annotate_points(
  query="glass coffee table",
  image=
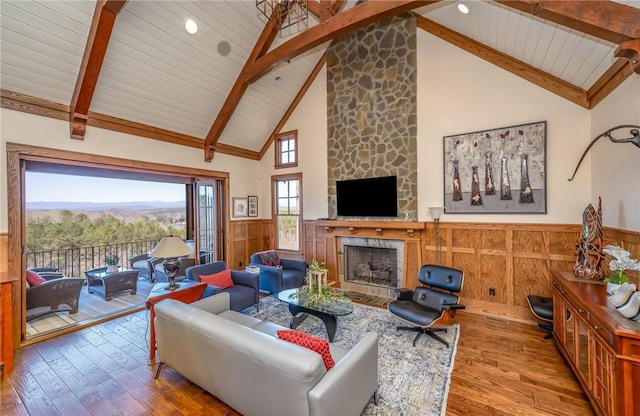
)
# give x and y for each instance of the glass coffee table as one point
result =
(328, 311)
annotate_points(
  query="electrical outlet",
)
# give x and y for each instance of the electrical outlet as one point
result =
(492, 291)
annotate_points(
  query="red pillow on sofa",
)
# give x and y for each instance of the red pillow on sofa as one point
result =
(221, 279)
(319, 345)
(34, 279)
(269, 258)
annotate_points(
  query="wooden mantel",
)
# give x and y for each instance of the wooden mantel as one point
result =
(397, 230)
(328, 233)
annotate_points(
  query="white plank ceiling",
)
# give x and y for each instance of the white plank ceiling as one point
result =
(156, 74)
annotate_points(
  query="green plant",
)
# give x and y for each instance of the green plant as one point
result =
(316, 267)
(112, 259)
(618, 278)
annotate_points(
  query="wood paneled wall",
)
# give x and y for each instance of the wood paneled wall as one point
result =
(4, 252)
(246, 238)
(515, 259)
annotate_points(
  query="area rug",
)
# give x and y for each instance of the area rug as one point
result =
(412, 380)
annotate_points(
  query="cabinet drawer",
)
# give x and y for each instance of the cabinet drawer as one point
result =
(602, 331)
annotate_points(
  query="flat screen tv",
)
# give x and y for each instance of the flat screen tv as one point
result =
(371, 197)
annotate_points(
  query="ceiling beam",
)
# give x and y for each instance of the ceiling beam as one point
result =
(609, 81)
(606, 20)
(238, 89)
(104, 17)
(347, 21)
(506, 62)
(294, 103)
(630, 50)
(45, 108)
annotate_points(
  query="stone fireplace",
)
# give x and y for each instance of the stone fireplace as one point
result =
(372, 107)
(370, 265)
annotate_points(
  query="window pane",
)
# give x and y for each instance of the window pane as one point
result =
(293, 188)
(284, 145)
(292, 144)
(283, 205)
(283, 189)
(294, 206)
(287, 227)
(285, 157)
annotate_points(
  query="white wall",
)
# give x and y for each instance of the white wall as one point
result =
(17, 127)
(310, 119)
(457, 93)
(615, 167)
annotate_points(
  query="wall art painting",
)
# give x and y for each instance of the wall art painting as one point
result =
(240, 207)
(499, 171)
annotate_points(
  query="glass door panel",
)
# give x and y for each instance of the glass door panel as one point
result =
(208, 222)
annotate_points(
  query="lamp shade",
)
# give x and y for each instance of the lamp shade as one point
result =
(169, 247)
(436, 212)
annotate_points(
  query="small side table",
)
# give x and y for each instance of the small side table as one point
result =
(189, 291)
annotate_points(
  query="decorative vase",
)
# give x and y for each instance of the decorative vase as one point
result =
(505, 186)
(476, 198)
(112, 268)
(457, 188)
(612, 287)
(489, 187)
(526, 194)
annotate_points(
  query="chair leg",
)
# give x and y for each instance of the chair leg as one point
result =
(160, 364)
(421, 331)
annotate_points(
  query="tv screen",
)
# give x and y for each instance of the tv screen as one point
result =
(371, 197)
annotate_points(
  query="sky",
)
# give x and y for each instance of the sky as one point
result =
(48, 187)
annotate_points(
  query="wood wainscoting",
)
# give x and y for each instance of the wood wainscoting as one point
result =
(4, 252)
(245, 238)
(515, 259)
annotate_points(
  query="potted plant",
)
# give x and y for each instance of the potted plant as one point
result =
(317, 276)
(112, 260)
(621, 262)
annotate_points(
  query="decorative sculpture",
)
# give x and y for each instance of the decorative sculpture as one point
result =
(635, 139)
(590, 253)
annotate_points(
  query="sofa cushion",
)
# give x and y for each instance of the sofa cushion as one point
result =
(319, 345)
(221, 279)
(34, 279)
(269, 258)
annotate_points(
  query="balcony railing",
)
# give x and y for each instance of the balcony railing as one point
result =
(75, 261)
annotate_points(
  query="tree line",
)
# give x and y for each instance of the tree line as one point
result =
(78, 230)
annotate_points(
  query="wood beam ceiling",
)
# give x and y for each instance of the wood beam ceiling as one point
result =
(261, 47)
(347, 21)
(607, 20)
(104, 18)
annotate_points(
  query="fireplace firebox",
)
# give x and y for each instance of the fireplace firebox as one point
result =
(375, 266)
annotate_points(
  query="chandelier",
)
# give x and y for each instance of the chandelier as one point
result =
(290, 15)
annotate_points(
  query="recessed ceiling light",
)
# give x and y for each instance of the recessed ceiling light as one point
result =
(463, 8)
(191, 27)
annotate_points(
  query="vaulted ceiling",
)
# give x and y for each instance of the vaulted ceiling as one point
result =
(130, 66)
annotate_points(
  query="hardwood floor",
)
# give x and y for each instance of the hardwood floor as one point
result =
(500, 369)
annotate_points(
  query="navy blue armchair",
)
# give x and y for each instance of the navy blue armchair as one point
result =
(244, 292)
(277, 274)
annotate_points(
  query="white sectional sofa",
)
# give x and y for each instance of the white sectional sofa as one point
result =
(240, 360)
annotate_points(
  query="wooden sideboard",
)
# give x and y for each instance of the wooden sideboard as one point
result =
(601, 346)
(6, 322)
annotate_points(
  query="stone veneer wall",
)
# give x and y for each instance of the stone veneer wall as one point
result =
(371, 109)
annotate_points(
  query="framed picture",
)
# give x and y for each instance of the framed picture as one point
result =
(253, 206)
(240, 208)
(499, 171)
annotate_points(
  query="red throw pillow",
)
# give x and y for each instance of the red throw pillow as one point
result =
(269, 258)
(34, 279)
(319, 345)
(221, 279)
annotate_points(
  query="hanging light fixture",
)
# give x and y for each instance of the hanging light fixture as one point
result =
(291, 15)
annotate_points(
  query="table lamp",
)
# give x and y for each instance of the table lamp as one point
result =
(170, 248)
